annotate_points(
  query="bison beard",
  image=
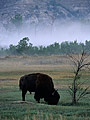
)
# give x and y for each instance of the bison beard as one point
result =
(42, 85)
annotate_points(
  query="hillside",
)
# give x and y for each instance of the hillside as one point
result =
(43, 11)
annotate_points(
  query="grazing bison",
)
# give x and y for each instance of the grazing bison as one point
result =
(42, 85)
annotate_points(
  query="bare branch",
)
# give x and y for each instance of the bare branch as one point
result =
(70, 91)
(73, 59)
(80, 84)
(84, 92)
(84, 57)
(83, 65)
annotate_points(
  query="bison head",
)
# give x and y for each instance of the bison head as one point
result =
(53, 98)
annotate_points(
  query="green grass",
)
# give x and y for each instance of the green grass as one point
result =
(11, 109)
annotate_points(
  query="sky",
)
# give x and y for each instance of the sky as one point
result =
(42, 35)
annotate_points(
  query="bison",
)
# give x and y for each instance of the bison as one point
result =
(42, 85)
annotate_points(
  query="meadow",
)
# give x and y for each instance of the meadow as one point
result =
(60, 69)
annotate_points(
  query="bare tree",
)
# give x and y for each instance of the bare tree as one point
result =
(80, 62)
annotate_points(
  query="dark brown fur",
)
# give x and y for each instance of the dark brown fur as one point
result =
(42, 85)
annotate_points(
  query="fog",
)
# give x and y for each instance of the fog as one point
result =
(46, 35)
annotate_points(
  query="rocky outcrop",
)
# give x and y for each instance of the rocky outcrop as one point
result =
(43, 11)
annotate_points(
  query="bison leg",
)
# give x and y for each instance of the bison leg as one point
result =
(45, 99)
(23, 95)
(37, 97)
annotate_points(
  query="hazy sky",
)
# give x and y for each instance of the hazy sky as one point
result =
(47, 35)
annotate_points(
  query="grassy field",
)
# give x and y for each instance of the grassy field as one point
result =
(60, 69)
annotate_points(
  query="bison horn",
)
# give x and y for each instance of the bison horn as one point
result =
(53, 92)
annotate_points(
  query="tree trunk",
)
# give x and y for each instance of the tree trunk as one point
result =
(74, 88)
(74, 96)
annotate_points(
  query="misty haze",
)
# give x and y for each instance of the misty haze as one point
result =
(42, 35)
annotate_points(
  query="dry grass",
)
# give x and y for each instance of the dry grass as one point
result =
(58, 67)
(32, 63)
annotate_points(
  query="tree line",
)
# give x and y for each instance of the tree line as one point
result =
(25, 48)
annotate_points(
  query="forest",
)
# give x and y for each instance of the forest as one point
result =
(25, 48)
